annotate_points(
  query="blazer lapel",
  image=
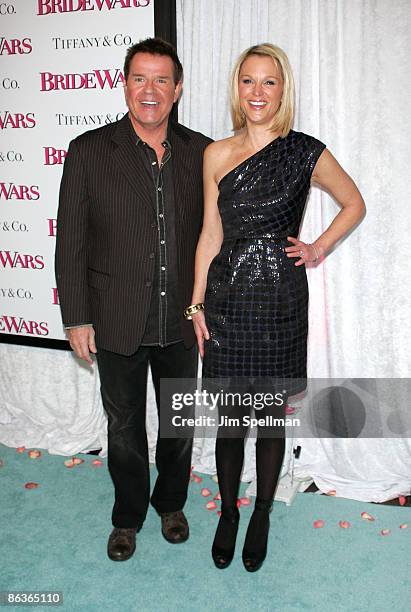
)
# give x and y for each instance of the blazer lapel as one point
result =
(182, 167)
(126, 159)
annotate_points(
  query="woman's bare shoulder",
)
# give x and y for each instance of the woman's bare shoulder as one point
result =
(222, 146)
(221, 149)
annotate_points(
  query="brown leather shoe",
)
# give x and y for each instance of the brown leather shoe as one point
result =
(121, 544)
(174, 527)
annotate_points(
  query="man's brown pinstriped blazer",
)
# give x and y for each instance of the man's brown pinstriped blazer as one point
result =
(107, 232)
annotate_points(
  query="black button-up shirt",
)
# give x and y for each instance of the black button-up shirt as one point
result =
(163, 323)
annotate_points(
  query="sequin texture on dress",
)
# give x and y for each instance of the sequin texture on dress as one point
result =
(256, 301)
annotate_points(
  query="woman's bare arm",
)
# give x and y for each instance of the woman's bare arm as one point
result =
(332, 177)
(210, 240)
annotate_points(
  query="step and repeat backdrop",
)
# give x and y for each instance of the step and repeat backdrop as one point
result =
(61, 74)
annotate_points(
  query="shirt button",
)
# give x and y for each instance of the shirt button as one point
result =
(161, 241)
(151, 255)
(163, 267)
(159, 189)
(148, 283)
(163, 293)
(161, 215)
(153, 163)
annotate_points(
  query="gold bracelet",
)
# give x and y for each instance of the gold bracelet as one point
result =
(192, 309)
(316, 253)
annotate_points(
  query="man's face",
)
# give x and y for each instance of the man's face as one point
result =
(150, 90)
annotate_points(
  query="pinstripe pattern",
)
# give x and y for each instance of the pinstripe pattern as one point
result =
(106, 230)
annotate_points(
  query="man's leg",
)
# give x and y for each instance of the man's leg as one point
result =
(123, 390)
(173, 455)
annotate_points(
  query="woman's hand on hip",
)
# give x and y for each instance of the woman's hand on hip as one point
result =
(307, 253)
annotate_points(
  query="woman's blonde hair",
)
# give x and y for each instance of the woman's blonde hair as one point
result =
(283, 119)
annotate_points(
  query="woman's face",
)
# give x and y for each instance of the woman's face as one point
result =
(260, 88)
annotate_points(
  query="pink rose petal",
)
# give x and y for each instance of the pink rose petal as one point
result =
(206, 492)
(318, 524)
(70, 463)
(403, 526)
(21, 449)
(31, 485)
(238, 503)
(197, 479)
(34, 454)
(218, 512)
(367, 517)
(332, 492)
(211, 505)
(344, 524)
(97, 463)
(245, 501)
(217, 497)
(385, 532)
(402, 500)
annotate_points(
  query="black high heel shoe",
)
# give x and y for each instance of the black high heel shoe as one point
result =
(255, 546)
(226, 531)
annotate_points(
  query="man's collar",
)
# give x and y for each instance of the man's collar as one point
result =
(139, 141)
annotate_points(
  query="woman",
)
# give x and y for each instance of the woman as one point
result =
(250, 298)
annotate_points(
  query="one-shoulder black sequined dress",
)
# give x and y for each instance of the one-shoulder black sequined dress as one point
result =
(256, 301)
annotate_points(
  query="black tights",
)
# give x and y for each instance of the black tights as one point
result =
(270, 447)
(230, 459)
(270, 443)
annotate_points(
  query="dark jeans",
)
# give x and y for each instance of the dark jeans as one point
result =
(123, 390)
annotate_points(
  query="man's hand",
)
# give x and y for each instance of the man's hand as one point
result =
(82, 342)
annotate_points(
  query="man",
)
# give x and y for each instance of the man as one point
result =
(129, 217)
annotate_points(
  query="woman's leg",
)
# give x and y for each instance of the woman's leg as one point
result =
(229, 461)
(270, 447)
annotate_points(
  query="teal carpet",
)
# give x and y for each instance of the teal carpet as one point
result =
(54, 538)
